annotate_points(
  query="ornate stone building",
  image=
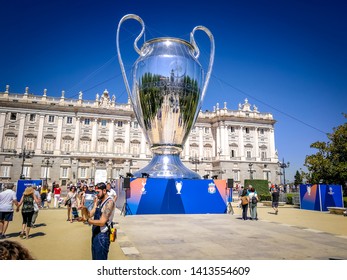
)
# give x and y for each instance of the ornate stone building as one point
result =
(66, 140)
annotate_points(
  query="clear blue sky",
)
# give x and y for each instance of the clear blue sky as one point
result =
(287, 57)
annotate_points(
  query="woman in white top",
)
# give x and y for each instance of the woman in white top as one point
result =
(253, 200)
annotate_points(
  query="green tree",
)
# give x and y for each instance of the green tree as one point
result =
(297, 178)
(330, 162)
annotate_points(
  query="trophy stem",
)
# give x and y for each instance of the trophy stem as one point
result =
(167, 166)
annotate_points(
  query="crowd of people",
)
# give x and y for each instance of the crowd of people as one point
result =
(92, 204)
(248, 199)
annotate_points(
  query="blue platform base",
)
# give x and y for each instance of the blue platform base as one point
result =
(176, 196)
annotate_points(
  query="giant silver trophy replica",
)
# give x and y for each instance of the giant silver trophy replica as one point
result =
(168, 87)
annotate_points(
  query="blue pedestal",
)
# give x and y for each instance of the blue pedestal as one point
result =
(176, 196)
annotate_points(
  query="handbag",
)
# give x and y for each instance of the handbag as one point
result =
(68, 202)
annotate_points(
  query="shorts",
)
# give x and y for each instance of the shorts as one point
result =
(6, 216)
(275, 204)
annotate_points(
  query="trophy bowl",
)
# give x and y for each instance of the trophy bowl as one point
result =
(167, 89)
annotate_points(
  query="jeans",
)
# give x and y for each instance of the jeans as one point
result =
(244, 211)
(253, 209)
(100, 246)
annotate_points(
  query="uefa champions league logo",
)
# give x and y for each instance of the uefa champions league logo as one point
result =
(308, 188)
(211, 188)
(179, 187)
(330, 191)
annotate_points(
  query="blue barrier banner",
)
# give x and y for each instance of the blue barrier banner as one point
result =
(331, 196)
(23, 184)
(176, 196)
(309, 197)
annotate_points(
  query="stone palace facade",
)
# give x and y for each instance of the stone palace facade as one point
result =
(63, 140)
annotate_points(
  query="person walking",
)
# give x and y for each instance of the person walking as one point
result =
(244, 204)
(253, 201)
(111, 192)
(36, 206)
(43, 193)
(87, 202)
(275, 199)
(102, 214)
(71, 203)
(57, 193)
(49, 198)
(7, 199)
(27, 201)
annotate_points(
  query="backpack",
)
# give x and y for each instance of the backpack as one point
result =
(244, 200)
(254, 200)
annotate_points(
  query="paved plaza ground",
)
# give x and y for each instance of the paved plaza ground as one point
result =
(294, 234)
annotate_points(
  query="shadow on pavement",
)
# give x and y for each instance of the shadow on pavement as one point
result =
(40, 225)
(37, 234)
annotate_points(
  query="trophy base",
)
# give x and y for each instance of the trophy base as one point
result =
(166, 166)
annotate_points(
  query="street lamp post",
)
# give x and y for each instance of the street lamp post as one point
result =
(24, 155)
(283, 165)
(195, 160)
(48, 163)
(250, 170)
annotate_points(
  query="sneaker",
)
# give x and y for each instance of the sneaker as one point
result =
(2, 236)
(21, 234)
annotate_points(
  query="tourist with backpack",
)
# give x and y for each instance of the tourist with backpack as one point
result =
(244, 204)
(253, 201)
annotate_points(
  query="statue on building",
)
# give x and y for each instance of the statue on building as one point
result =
(80, 95)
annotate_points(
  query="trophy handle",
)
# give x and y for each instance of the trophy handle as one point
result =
(197, 51)
(126, 17)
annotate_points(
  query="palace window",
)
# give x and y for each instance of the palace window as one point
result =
(102, 146)
(5, 171)
(119, 123)
(10, 142)
(26, 171)
(29, 143)
(236, 175)
(64, 172)
(103, 122)
(13, 116)
(87, 121)
(51, 119)
(48, 144)
(83, 172)
(69, 120)
(85, 146)
(32, 117)
(67, 144)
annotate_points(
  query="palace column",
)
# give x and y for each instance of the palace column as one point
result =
(40, 135)
(21, 131)
(58, 137)
(272, 149)
(110, 144)
(94, 135)
(2, 126)
(127, 137)
(201, 142)
(241, 145)
(225, 148)
(77, 134)
(218, 140)
(256, 144)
